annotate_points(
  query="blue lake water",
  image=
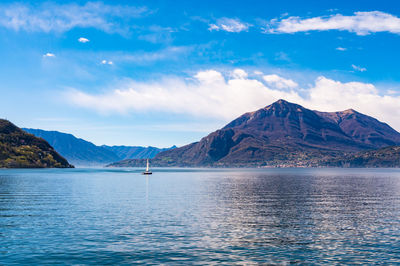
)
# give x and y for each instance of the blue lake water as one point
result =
(189, 216)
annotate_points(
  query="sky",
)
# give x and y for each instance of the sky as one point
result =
(165, 73)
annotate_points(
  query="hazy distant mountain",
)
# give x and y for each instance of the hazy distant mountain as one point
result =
(77, 151)
(135, 152)
(82, 152)
(282, 134)
(19, 149)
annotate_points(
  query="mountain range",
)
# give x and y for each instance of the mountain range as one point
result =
(84, 153)
(135, 152)
(19, 149)
(281, 134)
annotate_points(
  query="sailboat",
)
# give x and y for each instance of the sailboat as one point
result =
(147, 172)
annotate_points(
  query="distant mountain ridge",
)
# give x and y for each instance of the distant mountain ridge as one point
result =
(76, 150)
(19, 149)
(282, 134)
(135, 152)
(81, 152)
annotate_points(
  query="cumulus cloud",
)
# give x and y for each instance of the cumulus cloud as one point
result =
(239, 74)
(213, 94)
(52, 17)
(362, 23)
(229, 25)
(208, 93)
(83, 40)
(358, 68)
(279, 82)
(49, 55)
(341, 49)
(331, 95)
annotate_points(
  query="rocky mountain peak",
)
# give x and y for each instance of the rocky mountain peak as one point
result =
(285, 132)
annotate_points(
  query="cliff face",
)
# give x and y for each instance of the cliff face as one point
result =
(19, 149)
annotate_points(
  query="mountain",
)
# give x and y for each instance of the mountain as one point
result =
(135, 152)
(283, 134)
(19, 149)
(82, 152)
(76, 150)
(363, 128)
(384, 157)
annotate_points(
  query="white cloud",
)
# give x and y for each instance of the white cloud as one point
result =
(341, 49)
(209, 93)
(239, 74)
(52, 17)
(229, 25)
(330, 95)
(106, 62)
(362, 23)
(49, 55)
(358, 68)
(279, 82)
(211, 77)
(83, 40)
(212, 94)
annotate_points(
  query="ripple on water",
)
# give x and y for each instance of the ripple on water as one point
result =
(195, 216)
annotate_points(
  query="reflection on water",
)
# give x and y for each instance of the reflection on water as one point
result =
(189, 216)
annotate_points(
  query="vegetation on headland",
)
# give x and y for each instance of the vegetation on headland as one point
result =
(388, 157)
(19, 149)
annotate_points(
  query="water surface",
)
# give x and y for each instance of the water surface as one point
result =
(199, 216)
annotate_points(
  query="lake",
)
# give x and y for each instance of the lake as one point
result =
(200, 216)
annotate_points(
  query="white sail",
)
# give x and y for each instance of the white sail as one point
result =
(147, 171)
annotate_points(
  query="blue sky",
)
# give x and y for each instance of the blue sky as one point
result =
(169, 72)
